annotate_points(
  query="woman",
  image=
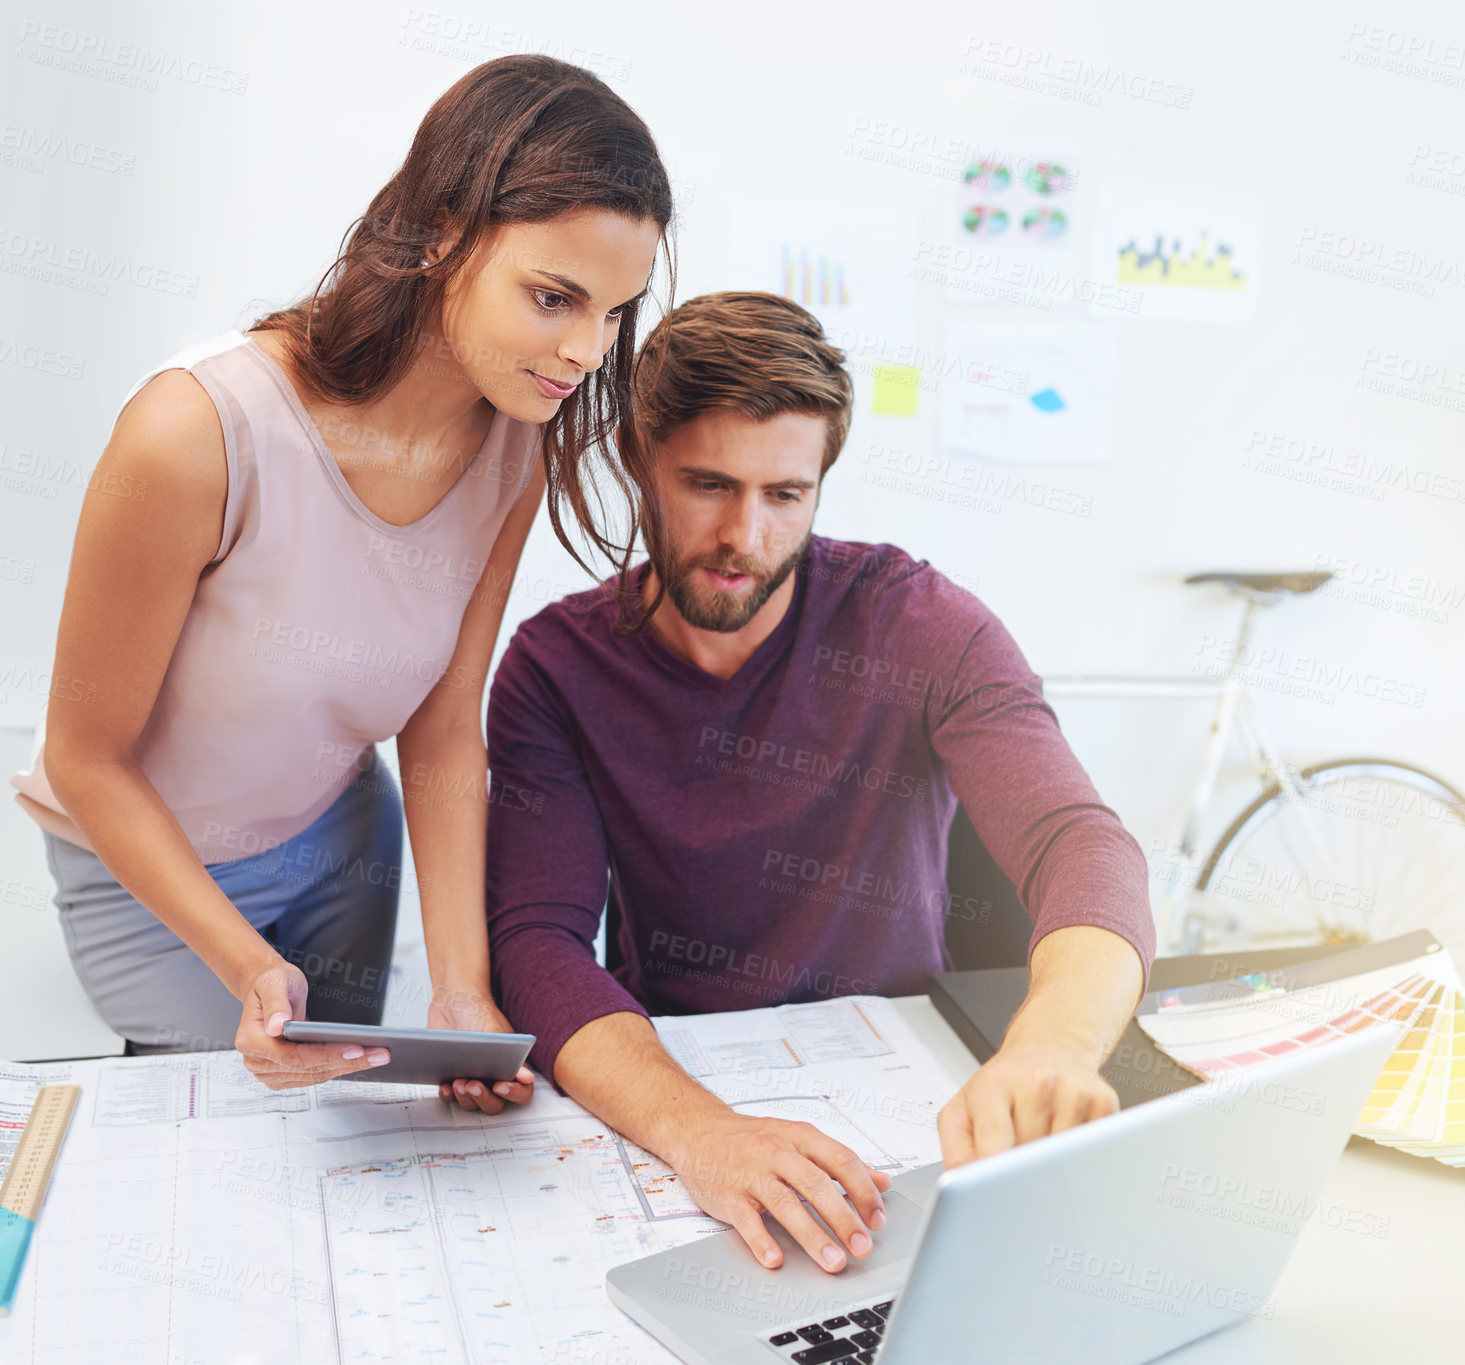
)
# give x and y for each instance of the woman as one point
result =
(329, 511)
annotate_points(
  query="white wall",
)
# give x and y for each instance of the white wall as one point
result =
(239, 196)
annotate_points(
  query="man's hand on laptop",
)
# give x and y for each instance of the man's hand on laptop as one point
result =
(1086, 982)
(1027, 1090)
(736, 1165)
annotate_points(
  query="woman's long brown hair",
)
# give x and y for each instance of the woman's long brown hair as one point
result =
(517, 140)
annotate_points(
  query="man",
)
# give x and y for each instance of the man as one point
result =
(707, 757)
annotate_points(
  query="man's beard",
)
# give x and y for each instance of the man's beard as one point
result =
(726, 612)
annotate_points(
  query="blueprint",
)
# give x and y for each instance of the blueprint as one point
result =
(196, 1216)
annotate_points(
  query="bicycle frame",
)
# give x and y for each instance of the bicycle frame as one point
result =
(1234, 710)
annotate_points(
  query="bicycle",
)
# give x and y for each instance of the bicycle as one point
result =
(1348, 850)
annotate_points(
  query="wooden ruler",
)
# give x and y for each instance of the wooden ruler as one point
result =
(26, 1180)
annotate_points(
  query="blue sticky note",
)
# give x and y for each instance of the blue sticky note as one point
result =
(15, 1240)
(1047, 401)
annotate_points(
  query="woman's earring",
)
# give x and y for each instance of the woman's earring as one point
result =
(425, 263)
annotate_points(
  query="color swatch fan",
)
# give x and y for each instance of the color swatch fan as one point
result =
(1220, 1029)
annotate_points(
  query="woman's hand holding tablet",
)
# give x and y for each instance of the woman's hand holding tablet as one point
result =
(420, 1056)
(468, 1049)
(275, 997)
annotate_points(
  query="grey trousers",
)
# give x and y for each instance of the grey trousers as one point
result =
(327, 900)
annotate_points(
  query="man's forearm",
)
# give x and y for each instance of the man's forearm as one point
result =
(1086, 983)
(1045, 1077)
(617, 1068)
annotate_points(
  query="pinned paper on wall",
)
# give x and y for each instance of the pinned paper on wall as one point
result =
(1028, 394)
(1013, 227)
(1191, 251)
(897, 391)
(851, 265)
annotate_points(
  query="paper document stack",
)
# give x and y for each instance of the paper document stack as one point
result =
(196, 1215)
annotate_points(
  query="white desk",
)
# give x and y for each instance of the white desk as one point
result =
(1345, 1296)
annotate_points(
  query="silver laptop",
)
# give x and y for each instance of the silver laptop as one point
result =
(1108, 1244)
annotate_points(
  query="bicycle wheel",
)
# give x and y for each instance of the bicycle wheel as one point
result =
(1374, 848)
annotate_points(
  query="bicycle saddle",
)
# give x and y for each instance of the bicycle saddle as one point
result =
(1266, 583)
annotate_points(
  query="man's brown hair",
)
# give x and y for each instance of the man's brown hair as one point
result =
(755, 354)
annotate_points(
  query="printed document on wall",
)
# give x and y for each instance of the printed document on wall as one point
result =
(1028, 394)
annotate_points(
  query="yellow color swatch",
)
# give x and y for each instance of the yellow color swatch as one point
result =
(1450, 1146)
(897, 388)
(1388, 1107)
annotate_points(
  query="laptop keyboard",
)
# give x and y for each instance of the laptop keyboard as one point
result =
(852, 1336)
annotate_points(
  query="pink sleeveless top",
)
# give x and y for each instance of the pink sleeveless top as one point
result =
(318, 628)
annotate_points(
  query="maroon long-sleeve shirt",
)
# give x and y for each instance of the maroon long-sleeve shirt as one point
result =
(780, 835)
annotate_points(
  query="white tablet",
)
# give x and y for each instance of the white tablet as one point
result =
(423, 1056)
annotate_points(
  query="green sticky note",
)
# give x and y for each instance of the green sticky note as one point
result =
(15, 1240)
(896, 390)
